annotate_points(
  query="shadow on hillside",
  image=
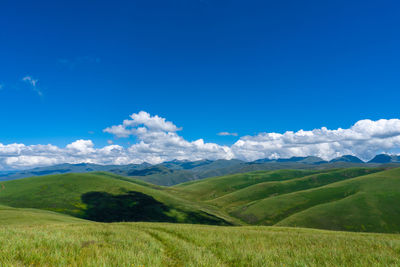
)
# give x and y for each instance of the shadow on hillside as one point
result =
(138, 207)
(129, 207)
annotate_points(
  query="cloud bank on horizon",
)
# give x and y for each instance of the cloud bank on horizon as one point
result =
(158, 140)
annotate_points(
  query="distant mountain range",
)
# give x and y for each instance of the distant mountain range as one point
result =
(174, 172)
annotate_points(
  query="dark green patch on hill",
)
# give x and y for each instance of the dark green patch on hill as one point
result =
(129, 207)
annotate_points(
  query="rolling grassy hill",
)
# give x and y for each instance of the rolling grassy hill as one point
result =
(86, 195)
(366, 203)
(362, 204)
(354, 199)
(274, 188)
(18, 216)
(211, 188)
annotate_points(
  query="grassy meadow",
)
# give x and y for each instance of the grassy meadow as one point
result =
(161, 244)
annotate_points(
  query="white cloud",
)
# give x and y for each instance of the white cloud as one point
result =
(20, 156)
(227, 134)
(118, 131)
(149, 124)
(364, 139)
(157, 140)
(81, 147)
(33, 83)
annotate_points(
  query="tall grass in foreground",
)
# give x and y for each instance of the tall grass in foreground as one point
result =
(156, 244)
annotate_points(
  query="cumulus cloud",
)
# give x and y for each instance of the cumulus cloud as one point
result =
(118, 131)
(81, 147)
(33, 83)
(157, 140)
(364, 139)
(146, 121)
(227, 134)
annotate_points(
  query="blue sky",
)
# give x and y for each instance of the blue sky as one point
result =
(208, 66)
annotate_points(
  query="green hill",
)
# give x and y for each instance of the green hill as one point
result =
(15, 216)
(274, 188)
(365, 203)
(211, 188)
(105, 197)
(355, 199)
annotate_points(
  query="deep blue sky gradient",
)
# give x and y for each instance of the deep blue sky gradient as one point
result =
(208, 66)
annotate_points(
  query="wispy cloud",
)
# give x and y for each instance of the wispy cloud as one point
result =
(227, 134)
(33, 83)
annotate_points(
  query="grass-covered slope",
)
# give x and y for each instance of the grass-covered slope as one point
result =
(161, 175)
(112, 197)
(211, 188)
(365, 203)
(18, 216)
(274, 188)
(156, 244)
(355, 199)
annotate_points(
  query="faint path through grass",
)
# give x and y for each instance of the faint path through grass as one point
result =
(170, 259)
(183, 251)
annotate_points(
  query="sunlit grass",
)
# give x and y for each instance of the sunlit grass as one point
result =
(156, 244)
